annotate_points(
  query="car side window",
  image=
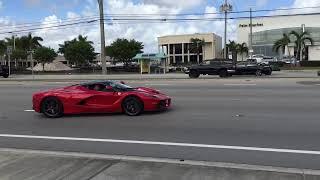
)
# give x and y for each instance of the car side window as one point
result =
(215, 63)
(207, 62)
(97, 87)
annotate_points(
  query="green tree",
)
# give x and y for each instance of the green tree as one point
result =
(78, 51)
(232, 47)
(44, 55)
(124, 50)
(196, 45)
(242, 49)
(300, 41)
(281, 44)
(19, 54)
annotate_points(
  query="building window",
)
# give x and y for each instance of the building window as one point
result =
(171, 48)
(186, 47)
(178, 48)
(186, 61)
(178, 60)
(200, 59)
(171, 60)
(193, 59)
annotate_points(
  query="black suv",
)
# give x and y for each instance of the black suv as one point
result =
(225, 68)
(4, 71)
(221, 67)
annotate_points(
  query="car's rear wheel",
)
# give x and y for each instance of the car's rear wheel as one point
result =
(52, 107)
(132, 106)
(258, 72)
(5, 75)
(194, 74)
(223, 73)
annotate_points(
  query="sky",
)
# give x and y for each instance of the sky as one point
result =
(46, 13)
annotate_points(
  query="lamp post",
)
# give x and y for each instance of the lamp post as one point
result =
(225, 8)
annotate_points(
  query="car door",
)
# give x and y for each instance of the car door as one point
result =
(241, 68)
(214, 67)
(252, 68)
(102, 98)
(204, 67)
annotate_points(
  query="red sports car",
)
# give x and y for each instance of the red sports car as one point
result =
(99, 97)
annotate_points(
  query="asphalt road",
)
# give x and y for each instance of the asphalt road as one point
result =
(258, 121)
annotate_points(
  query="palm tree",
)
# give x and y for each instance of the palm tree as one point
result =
(301, 39)
(281, 44)
(233, 48)
(242, 49)
(196, 45)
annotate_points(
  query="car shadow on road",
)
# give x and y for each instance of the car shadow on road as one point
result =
(70, 116)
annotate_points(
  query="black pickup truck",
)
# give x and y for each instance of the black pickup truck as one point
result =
(4, 71)
(225, 68)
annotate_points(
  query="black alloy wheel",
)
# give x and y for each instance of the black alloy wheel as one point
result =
(258, 72)
(52, 107)
(132, 106)
(223, 73)
(194, 74)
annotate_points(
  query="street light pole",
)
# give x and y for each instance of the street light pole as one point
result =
(250, 46)
(225, 8)
(102, 35)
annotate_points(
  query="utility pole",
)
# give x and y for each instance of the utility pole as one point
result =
(250, 45)
(225, 8)
(102, 54)
(303, 28)
(9, 52)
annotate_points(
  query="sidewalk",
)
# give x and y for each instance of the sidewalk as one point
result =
(29, 164)
(276, 74)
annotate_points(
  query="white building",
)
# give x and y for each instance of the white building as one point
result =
(176, 47)
(270, 29)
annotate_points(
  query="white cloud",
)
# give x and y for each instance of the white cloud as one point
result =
(184, 4)
(144, 32)
(261, 3)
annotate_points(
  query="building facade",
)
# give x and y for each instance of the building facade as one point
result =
(177, 48)
(266, 31)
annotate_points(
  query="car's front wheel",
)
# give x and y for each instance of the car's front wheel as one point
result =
(268, 72)
(5, 75)
(223, 73)
(194, 74)
(52, 107)
(132, 106)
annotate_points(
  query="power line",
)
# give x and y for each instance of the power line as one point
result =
(146, 21)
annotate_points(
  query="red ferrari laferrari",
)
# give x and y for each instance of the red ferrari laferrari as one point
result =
(99, 97)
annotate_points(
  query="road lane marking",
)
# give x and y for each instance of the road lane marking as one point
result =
(293, 151)
(29, 110)
(240, 84)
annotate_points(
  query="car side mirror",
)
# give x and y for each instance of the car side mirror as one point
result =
(122, 82)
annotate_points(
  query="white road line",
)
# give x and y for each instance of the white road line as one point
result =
(294, 151)
(29, 110)
(240, 84)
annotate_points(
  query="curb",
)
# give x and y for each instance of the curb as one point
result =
(164, 160)
(208, 78)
